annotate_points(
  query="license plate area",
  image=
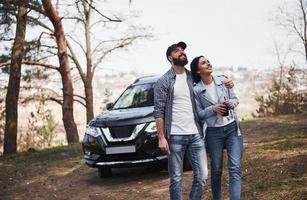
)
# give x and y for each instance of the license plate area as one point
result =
(120, 150)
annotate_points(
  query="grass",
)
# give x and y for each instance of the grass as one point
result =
(45, 157)
(21, 173)
(274, 167)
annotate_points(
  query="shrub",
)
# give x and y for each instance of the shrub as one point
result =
(41, 126)
(287, 94)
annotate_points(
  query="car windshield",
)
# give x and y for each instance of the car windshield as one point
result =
(136, 96)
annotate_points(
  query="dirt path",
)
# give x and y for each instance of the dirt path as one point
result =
(84, 183)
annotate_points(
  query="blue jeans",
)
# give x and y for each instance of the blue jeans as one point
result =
(195, 147)
(216, 139)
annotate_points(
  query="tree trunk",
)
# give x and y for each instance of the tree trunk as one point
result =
(67, 108)
(11, 104)
(89, 101)
(89, 65)
(303, 9)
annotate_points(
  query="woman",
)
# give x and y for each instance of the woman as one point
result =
(215, 105)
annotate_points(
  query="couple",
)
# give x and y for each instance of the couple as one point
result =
(191, 120)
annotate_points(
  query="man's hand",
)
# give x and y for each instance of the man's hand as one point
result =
(219, 108)
(229, 84)
(163, 145)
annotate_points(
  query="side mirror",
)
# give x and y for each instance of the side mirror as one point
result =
(109, 106)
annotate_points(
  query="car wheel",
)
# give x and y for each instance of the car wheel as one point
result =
(163, 165)
(104, 172)
(186, 163)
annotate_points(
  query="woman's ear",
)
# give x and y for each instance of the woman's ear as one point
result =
(198, 72)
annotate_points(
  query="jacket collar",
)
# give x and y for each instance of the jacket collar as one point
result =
(217, 81)
(219, 87)
(173, 73)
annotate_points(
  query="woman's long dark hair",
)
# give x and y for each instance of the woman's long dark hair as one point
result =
(194, 68)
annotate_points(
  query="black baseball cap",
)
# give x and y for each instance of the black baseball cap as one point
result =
(174, 46)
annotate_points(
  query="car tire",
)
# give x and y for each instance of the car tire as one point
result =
(163, 165)
(186, 163)
(104, 172)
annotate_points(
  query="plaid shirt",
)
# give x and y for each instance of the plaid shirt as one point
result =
(163, 99)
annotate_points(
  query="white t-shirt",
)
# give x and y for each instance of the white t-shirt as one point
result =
(212, 93)
(183, 122)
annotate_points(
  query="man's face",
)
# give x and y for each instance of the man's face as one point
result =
(178, 57)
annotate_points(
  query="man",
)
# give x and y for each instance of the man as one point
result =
(177, 124)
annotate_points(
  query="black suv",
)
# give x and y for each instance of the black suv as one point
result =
(126, 134)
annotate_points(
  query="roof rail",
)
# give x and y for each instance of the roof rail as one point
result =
(140, 78)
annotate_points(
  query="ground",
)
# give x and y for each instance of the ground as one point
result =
(274, 167)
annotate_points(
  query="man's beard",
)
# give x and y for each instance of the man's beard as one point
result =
(180, 62)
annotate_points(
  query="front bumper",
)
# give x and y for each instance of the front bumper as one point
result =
(146, 152)
(129, 163)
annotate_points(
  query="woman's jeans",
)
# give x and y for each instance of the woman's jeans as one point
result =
(194, 146)
(216, 139)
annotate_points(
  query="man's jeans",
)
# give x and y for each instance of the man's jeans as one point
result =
(216, 139)
(195, 147)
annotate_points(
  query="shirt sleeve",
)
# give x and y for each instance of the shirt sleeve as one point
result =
(160, 98)
(234, 101)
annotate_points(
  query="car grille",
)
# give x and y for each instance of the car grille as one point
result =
(121, 131)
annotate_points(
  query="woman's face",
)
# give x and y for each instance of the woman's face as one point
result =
(204, 66)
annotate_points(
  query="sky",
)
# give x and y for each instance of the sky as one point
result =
(237, 33)
(230, 33)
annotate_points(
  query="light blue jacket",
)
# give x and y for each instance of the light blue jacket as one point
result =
(204, 104)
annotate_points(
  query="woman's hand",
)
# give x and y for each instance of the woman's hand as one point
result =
(229, 83)
(219, 108)
(227, 103)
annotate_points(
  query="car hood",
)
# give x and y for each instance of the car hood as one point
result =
(122, 117)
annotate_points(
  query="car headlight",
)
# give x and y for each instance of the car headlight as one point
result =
(151, 128)
(138, 128)
(91, 131)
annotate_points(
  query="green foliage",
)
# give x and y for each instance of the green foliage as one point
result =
(7, 19)
(284, 96)
(3, 58)
(8, 16)
(33, 52)
(36, 3)
(41, 126)
(36, 73)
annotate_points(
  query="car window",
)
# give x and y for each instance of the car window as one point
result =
(136, 96)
